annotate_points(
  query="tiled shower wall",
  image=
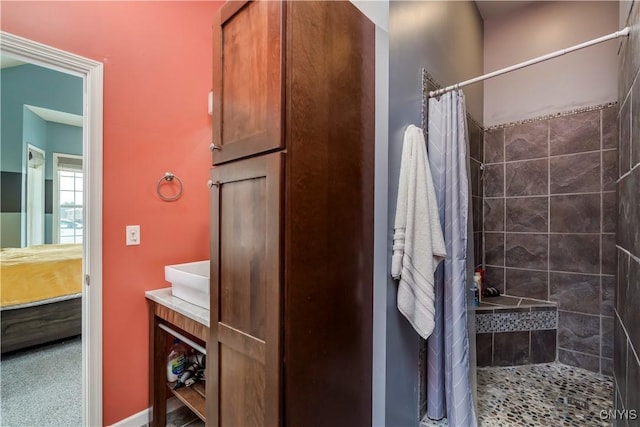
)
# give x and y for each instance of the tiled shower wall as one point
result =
(627, 311)
(476, 154)
(549, 223)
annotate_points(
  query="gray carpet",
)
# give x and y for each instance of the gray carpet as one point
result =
(42, 387)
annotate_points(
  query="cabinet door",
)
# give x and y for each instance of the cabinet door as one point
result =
(244, 357)
(247, 80)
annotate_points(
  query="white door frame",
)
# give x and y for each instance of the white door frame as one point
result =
(39, 186)
(92, 73)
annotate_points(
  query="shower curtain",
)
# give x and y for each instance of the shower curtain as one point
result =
(449, 383)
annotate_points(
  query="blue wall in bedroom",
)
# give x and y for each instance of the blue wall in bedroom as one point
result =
(33, 85)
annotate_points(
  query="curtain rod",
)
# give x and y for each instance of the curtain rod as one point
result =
(622, 33)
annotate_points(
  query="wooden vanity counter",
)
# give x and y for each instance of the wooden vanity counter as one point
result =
(187, 319)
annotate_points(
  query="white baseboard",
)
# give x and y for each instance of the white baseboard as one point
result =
(141, 419)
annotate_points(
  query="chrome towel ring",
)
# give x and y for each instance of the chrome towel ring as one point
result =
(168, 178)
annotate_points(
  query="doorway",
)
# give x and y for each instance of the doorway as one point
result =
(91, 74)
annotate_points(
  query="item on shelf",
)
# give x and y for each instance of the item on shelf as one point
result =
(194, 372)
(490, 292)
(176, 361)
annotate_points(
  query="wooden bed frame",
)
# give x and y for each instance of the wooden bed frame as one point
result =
(40, 324)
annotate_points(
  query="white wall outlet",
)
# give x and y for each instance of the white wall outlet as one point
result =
(133, 235)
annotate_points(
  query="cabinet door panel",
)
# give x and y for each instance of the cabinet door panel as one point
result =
(247, 80)
(244, 362)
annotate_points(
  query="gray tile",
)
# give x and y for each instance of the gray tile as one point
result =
(620, 356)
(476, 181)
(579, 332)
(575, 292)
(635, 122)
(495, 278)
(578, 253)
(608, 295)
(575, 133)
(632, 304)
(475, 141)
(622, 283)
(606, 366)
(608, 254)
(527, 178)
(494, 180)
(510, 348)
(494, 248)
(584, 361)
(476, 213)
(494, 214)
(503, 301)
(478, 248)
(610, 127)
(629, 212)
(609, 169)
(543, 346)
(526, 251)
(528, 214)
(609, 212)
(526, 141)
(494, 146)
(484, 349)
(624, 146)
(527, 283)
(606, 337)
(633, 383)
(578, 173)
(575, 213)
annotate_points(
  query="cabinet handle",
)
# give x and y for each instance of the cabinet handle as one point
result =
(212, 184)
(214, 147)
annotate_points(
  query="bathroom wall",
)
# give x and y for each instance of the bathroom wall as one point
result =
(549, 214)
(40, 87)
(627, 313)
(446, 38)
(157, 74)
(550, 222)
(580, 79)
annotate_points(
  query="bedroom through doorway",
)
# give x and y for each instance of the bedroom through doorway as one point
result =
(50, 236)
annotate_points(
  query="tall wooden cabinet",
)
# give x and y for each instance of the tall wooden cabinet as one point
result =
(292, 216)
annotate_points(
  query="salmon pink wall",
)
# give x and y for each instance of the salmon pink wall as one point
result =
(157, 73)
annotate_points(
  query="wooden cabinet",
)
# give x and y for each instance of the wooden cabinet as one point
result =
(246, 292)
(247, 83)
(292, 216)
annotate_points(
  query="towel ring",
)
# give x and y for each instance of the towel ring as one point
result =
(169, 177)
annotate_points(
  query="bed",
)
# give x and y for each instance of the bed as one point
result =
(40, 295)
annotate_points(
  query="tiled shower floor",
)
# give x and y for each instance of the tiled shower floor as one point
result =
(549, 394)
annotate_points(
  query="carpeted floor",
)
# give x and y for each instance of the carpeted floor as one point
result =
(42, 387)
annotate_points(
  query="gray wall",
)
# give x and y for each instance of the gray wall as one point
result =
(627, 315)
(446, 38)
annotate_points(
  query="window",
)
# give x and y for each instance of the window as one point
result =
(68, 209)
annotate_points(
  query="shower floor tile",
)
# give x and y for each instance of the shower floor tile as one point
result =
(549, 394)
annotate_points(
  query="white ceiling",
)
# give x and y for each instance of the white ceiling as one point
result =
(494, 8)
(56, 116)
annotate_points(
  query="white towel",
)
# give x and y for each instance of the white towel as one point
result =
(418, 244)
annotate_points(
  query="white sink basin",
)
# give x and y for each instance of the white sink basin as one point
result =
(190, 282)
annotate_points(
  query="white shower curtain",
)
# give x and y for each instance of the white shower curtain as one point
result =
(449, 383)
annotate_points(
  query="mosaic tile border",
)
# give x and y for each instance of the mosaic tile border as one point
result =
(516, 321)
(553, 116)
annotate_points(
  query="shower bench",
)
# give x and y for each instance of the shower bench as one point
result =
(512, 331)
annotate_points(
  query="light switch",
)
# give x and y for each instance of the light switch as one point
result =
(133, 235)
